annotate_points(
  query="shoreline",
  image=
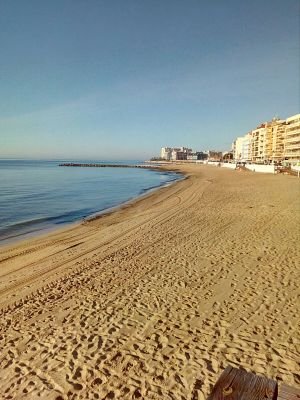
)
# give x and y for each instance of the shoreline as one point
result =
(154, 299)
(48, 229)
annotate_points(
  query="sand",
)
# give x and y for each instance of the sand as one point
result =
(155, 299)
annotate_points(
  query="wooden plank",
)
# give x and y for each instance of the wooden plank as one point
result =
(288, 393)
(238, 384)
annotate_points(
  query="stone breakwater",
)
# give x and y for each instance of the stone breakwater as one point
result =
(108, 165)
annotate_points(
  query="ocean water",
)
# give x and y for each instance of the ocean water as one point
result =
(36, 196)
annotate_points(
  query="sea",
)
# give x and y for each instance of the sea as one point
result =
(39, 196)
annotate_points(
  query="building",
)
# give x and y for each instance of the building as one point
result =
(292, 140)
(175, 153)
(202, 156)
(265, 144)
(274, 146)
(214, 155)
(237, 148)
(192, 157)
(246, 148)
(180, 153)
(227, 156)
(242, 148)
(270, 143)
(197, 156)
(258, 143)
(165, 153)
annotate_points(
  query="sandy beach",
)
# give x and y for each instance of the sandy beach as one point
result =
(154, 300)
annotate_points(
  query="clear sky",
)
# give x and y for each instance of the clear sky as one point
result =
(118, 79)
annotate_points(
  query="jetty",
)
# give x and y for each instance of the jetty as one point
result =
(97, 165)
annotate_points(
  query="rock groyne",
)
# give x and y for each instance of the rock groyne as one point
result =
(108, 165)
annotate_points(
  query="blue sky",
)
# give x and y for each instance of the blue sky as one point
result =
(119, 79)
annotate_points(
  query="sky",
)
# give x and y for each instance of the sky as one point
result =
(119, 79)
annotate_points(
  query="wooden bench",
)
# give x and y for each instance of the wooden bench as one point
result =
(238, 384)
(288, 393)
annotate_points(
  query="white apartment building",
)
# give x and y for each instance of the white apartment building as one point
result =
(175, 153)
(292, 140)
(242, 148)
(246, 148)
(165, 153)
(237, 148)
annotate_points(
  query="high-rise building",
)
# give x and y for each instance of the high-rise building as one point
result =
(165, 153)
(242, 148)
(292, 140)
(175, 153)
(180, 153)
(258, 143)
(274, 145)
(271, 142)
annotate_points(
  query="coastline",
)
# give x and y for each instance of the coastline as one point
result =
(154, 299)
(13, 235)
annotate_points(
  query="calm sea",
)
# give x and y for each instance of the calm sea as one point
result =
(36, 196)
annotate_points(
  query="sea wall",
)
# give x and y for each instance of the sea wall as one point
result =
(296, 168)
(229, 165)
(269, 169)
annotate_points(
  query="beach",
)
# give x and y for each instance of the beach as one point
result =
(155, 299)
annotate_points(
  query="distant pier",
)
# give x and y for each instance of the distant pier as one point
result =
(109, 165)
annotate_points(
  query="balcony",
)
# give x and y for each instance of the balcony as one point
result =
(294, 122)
(292, 146)
(292, 138)
(292, 154)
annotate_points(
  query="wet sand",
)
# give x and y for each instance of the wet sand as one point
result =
(155, 299)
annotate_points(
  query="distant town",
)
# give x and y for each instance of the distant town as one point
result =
(273, 142)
